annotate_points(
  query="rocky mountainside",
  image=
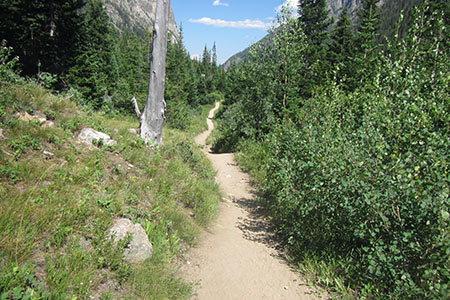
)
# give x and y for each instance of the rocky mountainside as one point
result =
(136, 15)
(390, 10)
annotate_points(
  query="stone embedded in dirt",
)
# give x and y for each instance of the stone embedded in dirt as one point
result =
(140, 248)
(133, 131)
(35, 117)
(85, 244)
(2, 137)
(48, 124)
(48, 154)
(88, 136)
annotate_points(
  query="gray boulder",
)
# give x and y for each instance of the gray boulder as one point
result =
(140, 248)
(88, 135)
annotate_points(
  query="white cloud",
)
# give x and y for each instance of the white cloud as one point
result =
(293, 4)
(218, 3)
(195, 57)
(255, 24)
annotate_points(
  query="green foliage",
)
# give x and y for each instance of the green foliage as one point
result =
(341, 52)
(7, 63)
(355, 177)
(212, 98)
(43, 33)
(23, 143)
(91, 73)
(314, 22)
(56, 208)
(47, 80)
(265, 90)
(19, 282)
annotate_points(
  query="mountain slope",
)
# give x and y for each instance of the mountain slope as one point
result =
(137, 16)
(390, 13)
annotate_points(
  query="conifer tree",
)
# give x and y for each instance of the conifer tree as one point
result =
(341, 49)
(93, 70)
(366, 41)
(369, 21)
(314, 23)
(42, 33)
(214, 55)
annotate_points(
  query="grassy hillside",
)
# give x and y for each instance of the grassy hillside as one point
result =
(58, 198)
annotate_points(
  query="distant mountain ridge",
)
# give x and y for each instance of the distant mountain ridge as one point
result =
(137, 16)
(390, 13)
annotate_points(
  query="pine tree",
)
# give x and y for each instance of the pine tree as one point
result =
(214, 55)
(341, 50)
(93, 70)
(369, 21)
(367, 47)
(314, 23)
(42, 33)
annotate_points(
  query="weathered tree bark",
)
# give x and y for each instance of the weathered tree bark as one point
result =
(153, 115)
(136, 108)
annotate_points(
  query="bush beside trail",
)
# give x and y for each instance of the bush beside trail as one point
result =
(355, 177)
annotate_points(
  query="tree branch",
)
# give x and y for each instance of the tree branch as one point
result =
(136, 108)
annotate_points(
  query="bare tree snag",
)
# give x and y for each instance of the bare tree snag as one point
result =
(136, 107)
(153, 115)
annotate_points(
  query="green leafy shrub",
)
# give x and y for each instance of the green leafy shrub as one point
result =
(47, 80)
(366, 177)
(7, 64)
(212, 98)
(355, 179)
(23, 143)
(19, 282)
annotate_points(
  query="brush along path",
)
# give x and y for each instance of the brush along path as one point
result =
(236, 258)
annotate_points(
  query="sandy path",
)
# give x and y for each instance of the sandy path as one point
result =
(237, 257)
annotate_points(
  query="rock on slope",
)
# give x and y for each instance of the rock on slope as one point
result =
(137, 16)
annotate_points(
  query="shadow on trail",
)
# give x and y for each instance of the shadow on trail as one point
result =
(256, 227)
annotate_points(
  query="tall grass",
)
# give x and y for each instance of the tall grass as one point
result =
(56, 207)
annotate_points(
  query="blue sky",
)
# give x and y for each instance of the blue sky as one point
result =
(232, 24)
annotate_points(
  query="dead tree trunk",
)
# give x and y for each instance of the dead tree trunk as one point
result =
(153, 115)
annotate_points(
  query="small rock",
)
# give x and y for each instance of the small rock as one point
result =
(88, 135)
(28, 118)
(140, 248)
(286, 287)
(46, 183)
(48, 154)
(85, 244)
(188, 262)
(2, 137)
(228, 176)
(130, 166)
(133, 130)
(48, 124)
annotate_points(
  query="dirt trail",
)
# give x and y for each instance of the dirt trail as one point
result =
(237, 258)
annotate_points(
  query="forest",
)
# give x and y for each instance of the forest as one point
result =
(71, 45)
(344, 130)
